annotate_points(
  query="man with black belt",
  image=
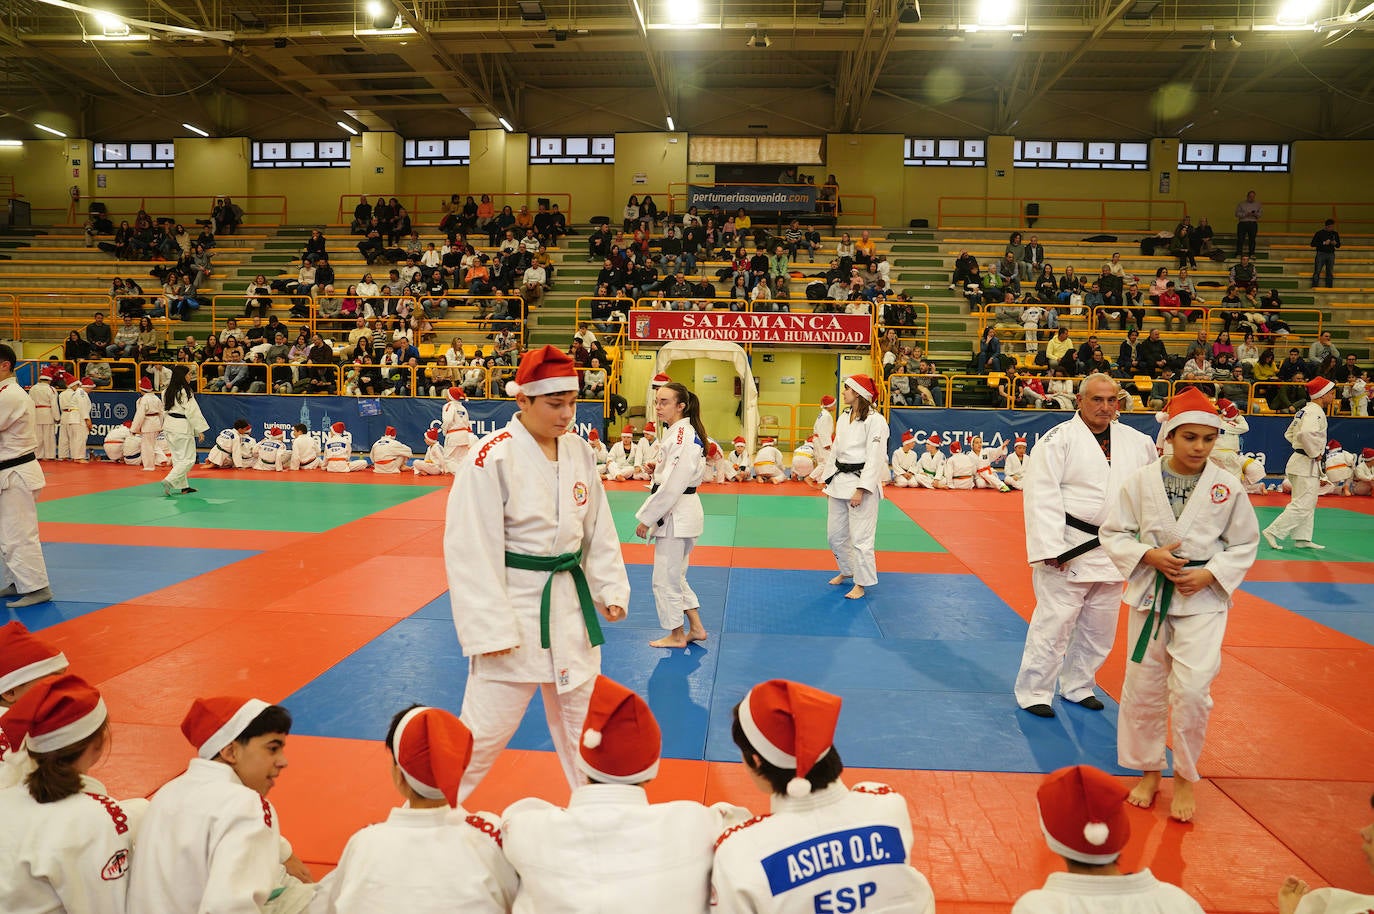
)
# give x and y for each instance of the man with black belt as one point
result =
(22, 570)
(1068, 479)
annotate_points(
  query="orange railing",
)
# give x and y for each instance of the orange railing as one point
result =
(258, 209)
(7, 187)
(9, 315)
(1352, 217)
(1059, 212)
(424, 209)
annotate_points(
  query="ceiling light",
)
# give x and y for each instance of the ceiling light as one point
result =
(111, 25)
(685, 12)
(908, 11)
(531, 11)
(11, 142)
(47, 129)
(505, 123)
(832, 9)
(995, 12)
(758, 41)
(194, 129)
(671, 126)
(1296, 12)
(382, 14)
(346, 127)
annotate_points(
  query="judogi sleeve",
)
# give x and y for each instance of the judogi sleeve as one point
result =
(875, 462)
(1120, 532)
(680, 475)
(1312, 433)
(1240, 534)
(1043, 506)
(194, 417)
(243, 863)
(475, 555)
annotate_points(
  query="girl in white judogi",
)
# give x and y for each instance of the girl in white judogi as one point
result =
(147, 422)
(457, 427)
(984, 476)
(620, 460)
(273, 454)
(1339, 469)
(672, 515)
(1014, 467)
(768, 463)
(74, 406)
(804, 460)
(1364, 473)
(931, 465)
(45, 417)
(435, 461)
(388, 454)
(959, 467)
(906, 465)
(1227, 453)
(1359, 394)
(114, 442)
(598, 451)
(823, 430)
(646, 453)
(718, 469)
(430, 856)
(1183, 533)
(338, 451)
(533, 558)
(854, 482)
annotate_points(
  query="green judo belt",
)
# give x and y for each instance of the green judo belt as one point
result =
(1159, 611)
(571, 562)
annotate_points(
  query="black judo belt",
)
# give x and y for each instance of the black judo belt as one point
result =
(176, 415)
(18, 461)
(1086, 545)
(851, 468)
(690, 490)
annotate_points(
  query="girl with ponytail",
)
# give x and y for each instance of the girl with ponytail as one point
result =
(672, 514)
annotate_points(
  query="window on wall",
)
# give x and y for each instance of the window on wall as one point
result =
(1233, 156)
(134, 155)
(438, 152)
(926, 151)
(1082, 154)
(756, 150)
(301, 154)
(572, 150)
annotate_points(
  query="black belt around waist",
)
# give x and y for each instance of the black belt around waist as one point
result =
(1086, 546)
(690, 490)
(174, 415)
(852, 468)
(18, 461)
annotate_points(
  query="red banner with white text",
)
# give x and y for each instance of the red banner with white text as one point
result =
(792, 329)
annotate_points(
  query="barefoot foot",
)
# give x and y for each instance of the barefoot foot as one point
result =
(1185, 804)
(839, 579)
(1143, 793)
(696, 634)
(676, 639)
(855, 592)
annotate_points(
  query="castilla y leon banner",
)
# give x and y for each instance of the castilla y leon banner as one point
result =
(759, 198)
(790, 328)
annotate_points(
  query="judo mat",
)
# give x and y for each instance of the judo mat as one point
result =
(329, 594)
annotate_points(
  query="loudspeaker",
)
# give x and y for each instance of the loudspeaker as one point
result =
(908, 11)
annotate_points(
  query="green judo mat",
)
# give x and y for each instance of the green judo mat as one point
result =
(1347, 535)
(232, 504)
(775, 522)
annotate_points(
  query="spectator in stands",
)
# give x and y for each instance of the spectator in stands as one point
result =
(1244, 274)
(305, 279)
(373, 246)
(149, 339)
(989, 356)
(1322, 348)
(1247, 353)
(1181, 245)
(98, 334)
(1229, 309)
(329, 307)
(532, 285)
(796, 239)
(362, 217)
(1058, 347)
(1223, 345)
(1009, 272)
(256, 296)
(1070, 289)
(226, 216)
(1248, 212)
(1128, 358)
(500, 224)
(599, 244)
(1292, 366)
(75, 348)
(1047, 288)
(1171, 307)
(436, 296)
(1325, 243)
(1153, 356)
(1197, 367)
(1032, 258)
(864, 248)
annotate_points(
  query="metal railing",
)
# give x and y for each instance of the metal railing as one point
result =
(9, 316)
(422, 207)
(1059, 212)
(772, 426)
(1354, 217)
(258, 209)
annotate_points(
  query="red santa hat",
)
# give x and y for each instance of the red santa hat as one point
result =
(628, 431)
(1020, 441)
(128, 423)
(739, 439)
(862, 385)
(661, 379)
(620, 741)
(954, 446)
(713, 450)
(546, 370)
(88, 381)
(767, 439)
(25, 657)
(337, 428)
(1367, 454)
(1227, 408)
(432, 748)
(908, 435)
(593, 435)
(649, 429)
(55, 713)
(49, 372)
(1318, 387)
(73, 381)
(790, 725)
(827, 402)
(1083, 814)
(213, 723)
(276, 432)
(145, 384)
(1188, 407)
(455, 393)
(390, 431)
(934, 439)
(1333, 445)
(432, 435)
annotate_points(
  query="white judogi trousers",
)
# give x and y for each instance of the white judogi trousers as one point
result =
(1296, 520)
(183, 445)
(21, 555)
(1175, 676)
(851, 533)
(492, 709)
(150, 451)
(47, 442)
(924, 480)
(1071, 634)
(673, 596)
(71, 441)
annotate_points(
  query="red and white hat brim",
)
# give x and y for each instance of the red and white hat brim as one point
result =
(69, 734)
(544, 386)
(638, 777)
(773, 755)
(36, 670)
(858, 388)
(231, 729)
(1063, 850)
(428, 791)
(1326, 389)
(1190, 417)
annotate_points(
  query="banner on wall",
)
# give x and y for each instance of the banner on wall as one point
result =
(410, 416)
(772, 198)
(791, 328)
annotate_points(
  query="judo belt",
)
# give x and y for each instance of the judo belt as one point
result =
(851, 468)
(1159, 611)
(969, 476)
(690, 490)
(928, 472)
(177, 415)
(570, 562)
(1086, 546)
(17, 461)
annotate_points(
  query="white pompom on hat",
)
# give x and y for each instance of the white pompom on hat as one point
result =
(621, 741)
(791, 726)
(1083, 814)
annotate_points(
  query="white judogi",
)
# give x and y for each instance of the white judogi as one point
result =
(21, 556)
(421, 861)
(768, 465)
(959, 470)
(645, 457)
(620, 461)
(1074, 622)
(851, 531)
(208, 843)
(1335, 901)
(45, 417)
(741, 466)
(338, 454)
(163, 448)
(147, 422)
(227, 450)
(1252, 474)
(1307, 434)
(114, 443)
(273, 455)
(1133, 893)
(133, 451)
(1359, 397)
(932, 469)
(906, 467)
(457, 432)
(183, 423)
(824, 430)
(389, 455)
(611, 850)
(1364, 478)
(675, 519)
(1217, 526)
(434, 463)
(511, 498)
(1014, 470)
(305, 453)
(74, 406)
(1226, 452)
(1339, 470)
(803, 461)
(832, 850)
(72, 855)
(984, 476)
(600, 454)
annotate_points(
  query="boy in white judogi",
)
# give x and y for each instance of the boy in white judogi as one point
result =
(1083, 818)
(74, 407)
(742, 466)
(611, 849)
(718, 469)
(1363, 483)
(305, 450)
(430, 856)
(984, 476)
(147, 422)
(457, 427)
(620, 460)
(804, 459)
(338, 451)
(133, 450)
(598, 451)
(1014, 467)
(273, 454)
(234, 448)
(906, 465)
(114, 442)
(931, 464)
(163, 449)
(435, 461)
(768, 463)
(959, 467)
(1252, 474)
(1339, 469)
(823, 429)
(1183, 532)
(389, 455)
(1307, 434)
(1233, 424)
(646, 453)
(45, 416)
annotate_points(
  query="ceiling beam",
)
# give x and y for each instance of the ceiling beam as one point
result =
(455, 71)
